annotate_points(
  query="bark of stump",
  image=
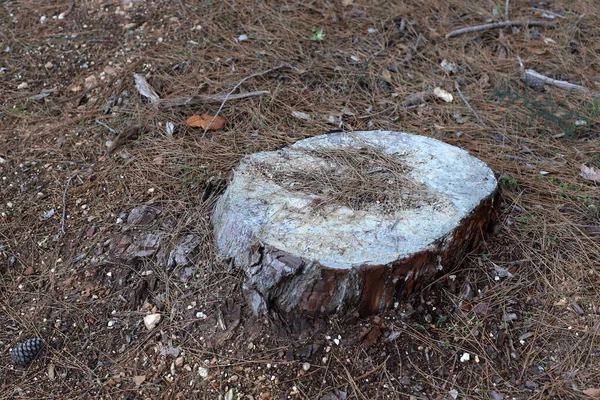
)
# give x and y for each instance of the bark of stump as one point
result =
(311, 247)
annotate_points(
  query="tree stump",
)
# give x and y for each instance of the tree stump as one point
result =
(350, 221)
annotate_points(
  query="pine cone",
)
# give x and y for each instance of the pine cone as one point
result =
(23, 353)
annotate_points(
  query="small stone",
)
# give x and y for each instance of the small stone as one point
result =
(496, 396)
(51, 372)
(306, 366)
(465, 357)
(449, 66)
(150, 321)
(23, 85)
(179, 362)
(203, 372)
(170, 129)
(231, 394)
(139, 379)
(531, 385)
(91, 81)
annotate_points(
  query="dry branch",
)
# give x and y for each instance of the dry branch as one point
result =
(66, 13)
(228, 96)
(468, 105)
(532, 76)
(547, 12)
(205, 99)
(64, 199)
(496, 25)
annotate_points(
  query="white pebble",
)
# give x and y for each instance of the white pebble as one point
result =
(151, 321)
(203, 372)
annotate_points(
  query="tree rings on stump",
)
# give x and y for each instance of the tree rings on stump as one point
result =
(350, 221)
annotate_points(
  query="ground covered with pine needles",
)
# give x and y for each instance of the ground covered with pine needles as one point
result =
(519, 318)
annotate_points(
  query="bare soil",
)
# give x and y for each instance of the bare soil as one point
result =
(519, 318)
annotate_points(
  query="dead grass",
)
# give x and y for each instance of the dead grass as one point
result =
(535, 333)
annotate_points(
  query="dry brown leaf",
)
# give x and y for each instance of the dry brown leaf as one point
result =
(484, 81)
(387, 76)
(442, 94)
(590, 173)
(592, 392)
(416, 98)
(158, 160)
(139, 379)
(301, 115)
(538, 52)
(372, 335)
(205, 121)
(195, 121)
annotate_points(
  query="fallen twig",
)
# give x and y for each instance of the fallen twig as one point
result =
(204, 99)
(413, 100)
(352, 382)
(66, 13)
(238, 85)
(495, 25)
(64, 210)
(479, 120)
(372, 371)
(129, 133)
(78, 96)
(111, 130)
(547, 12)
(530, 75)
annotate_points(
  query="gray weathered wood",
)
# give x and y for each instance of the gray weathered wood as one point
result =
(307, 248)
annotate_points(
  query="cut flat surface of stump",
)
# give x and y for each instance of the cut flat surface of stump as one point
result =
(350, 220)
